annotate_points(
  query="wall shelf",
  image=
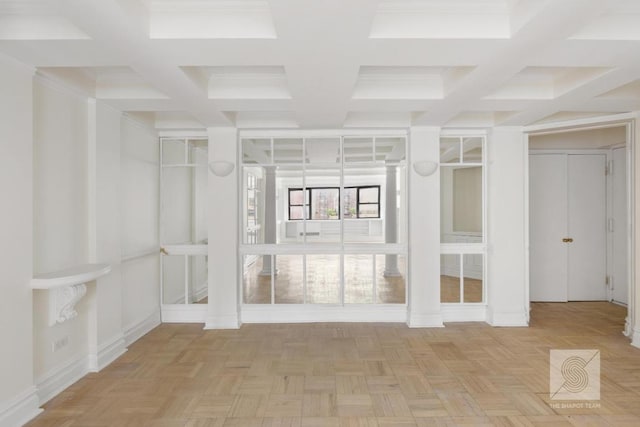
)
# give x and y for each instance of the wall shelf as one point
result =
(67, 287)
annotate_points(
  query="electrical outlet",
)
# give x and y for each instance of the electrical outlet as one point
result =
(60, 343)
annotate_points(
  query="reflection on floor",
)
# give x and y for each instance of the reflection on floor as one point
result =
(450, 289)
(323, 280)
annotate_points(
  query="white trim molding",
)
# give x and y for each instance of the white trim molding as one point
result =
(509, 319)
(635, 338)
(184, 313)
(425, 320)
(139, 329)
(307, 313)
(20, 409)
(464, 312)
(59, 378)
(107, 353)
(222, 322)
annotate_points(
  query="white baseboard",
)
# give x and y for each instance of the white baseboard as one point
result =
(61, 377)
(222, 322)
(184, 313)
(463, 313)
(307, 313)
(136, 331)
(107, 353)
(635, 338)
(21, 409)
(425, 320)
(507, 318)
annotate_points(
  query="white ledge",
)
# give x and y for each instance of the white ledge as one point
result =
(70, 276)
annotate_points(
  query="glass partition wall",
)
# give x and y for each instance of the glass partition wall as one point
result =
(462, 220)
(183, 224)
(323, 220)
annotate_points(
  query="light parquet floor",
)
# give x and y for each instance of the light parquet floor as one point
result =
(357, 375)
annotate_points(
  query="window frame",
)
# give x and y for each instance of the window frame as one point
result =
(309, 205)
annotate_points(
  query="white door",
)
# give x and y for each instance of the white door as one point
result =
(587, 226)
(548, 225)
(567, 227)
(620, 284)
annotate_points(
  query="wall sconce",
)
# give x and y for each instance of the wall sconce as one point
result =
(425, 167)
(221, 167)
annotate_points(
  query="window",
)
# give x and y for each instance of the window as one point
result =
(298, 203)
(324, 202)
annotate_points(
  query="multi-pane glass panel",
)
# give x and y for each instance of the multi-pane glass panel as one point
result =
(391, 273)
(369, 202)
(184, 279)
(299, 207)
(326, 190)
(289, 279)
(358, 279)
(323, 279)
(256, 279)
(462, 219)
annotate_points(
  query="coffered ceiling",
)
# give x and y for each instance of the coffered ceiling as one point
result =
(336, 63)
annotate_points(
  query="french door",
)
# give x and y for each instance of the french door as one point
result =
(568, 227)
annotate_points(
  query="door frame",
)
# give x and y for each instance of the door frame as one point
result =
(628, 120)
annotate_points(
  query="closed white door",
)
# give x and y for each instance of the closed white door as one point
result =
(548, 225)
(587, 227)
(620, 284)
(567, 227)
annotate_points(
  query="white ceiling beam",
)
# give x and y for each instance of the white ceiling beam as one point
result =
(121, 27)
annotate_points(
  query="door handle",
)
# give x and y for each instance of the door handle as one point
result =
(567, 240)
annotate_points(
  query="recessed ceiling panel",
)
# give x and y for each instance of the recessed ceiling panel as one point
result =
(35, 20)
(265, 119)
(105, 82)
(442, 19)
(620, 23)
(374, 119)
(546, 82)
(407, 82)
(210, 19)
(246, 82)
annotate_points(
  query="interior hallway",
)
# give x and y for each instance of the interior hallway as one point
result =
(357, 375)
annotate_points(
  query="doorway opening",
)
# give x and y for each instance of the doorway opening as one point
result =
(580, 196)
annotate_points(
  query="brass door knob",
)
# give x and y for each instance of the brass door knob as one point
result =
(567, 240)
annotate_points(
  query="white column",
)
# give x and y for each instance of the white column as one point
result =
(223, 233)
(507, 293)
(391, 222)
(424, 232)
(269, 217)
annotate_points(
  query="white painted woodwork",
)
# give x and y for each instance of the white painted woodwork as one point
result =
(587, 224)
(620, 257)
(548, 226)
(567, 201)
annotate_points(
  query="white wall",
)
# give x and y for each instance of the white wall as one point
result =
(139, 205)
(60, 215)
(18, 401)
(506, 203)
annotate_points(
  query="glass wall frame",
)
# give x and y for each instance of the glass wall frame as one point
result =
(262, 262)
(183, 183)
(463, 219)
